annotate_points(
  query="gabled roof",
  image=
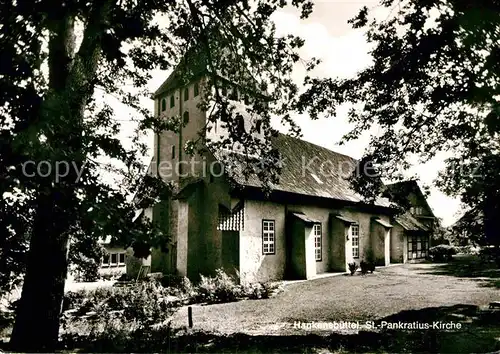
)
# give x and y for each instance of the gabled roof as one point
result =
(312, 170)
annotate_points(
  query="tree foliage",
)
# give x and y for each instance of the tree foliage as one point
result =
(433, 86)
(59, 60)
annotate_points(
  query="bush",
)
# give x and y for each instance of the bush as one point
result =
(469, 249)
(352, 267)
(255, 291)
(367, 267)
(73, 300)
(171, 280)
(224, 288)
(490, 253)
(221, 288)
(441, 253)
(87, 271)
(141, 306)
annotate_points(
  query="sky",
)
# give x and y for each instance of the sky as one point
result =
(343, 51)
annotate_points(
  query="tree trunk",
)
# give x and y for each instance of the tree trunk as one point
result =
(71, 83)
(37, 319)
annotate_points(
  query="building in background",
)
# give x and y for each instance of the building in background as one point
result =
(412, 233)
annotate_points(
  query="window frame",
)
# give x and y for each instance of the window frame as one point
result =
(186, 93)
(172, 151)
(120, 255)
(318, 245)
(413, 241)
(163, 105)
(185, 118)
(111, 263)
(172, 101)
(352, 236)
(273, 242)
(106, 257)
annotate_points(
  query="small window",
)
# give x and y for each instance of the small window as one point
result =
(105, 260)
(196, 89)
(172, 101)
(185, 118)
(121, 258)
(317, 242)
(114, 259)
(268, 237)
(173, 151)
(163, 105)
(355, 240)
(186, 94)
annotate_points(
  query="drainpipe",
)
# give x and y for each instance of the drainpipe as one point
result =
(287, 245)
(158, 143)
(157, 154)
(180, 132)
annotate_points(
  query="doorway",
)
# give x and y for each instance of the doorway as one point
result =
(230, 251)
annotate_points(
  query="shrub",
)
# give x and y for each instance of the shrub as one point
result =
(171, 280)
(225, 288)
(221, 288)
(490, 253)
(255, 291)
(469, 249)
(73, 300)
(441, 253)
(352, 267)
(87, 270)
(143, 305)
(146, 304)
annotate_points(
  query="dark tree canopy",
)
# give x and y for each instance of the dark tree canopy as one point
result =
(58, 60)
(433, 86)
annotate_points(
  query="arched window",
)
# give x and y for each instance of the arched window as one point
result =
(185, 118)
(196, 89)
(173, 151)
(172, 101)
(163, 105)
(186, 94)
